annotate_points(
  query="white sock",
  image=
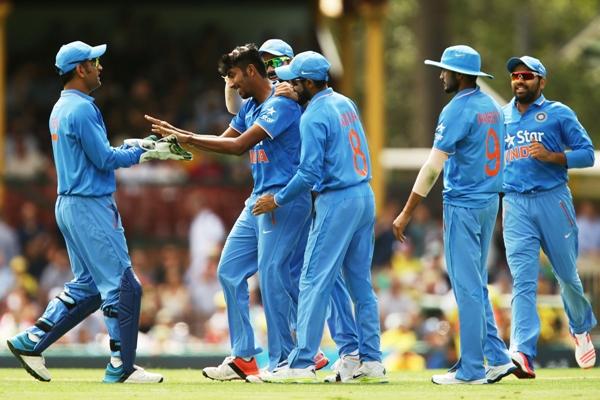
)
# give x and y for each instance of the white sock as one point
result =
(116, 361)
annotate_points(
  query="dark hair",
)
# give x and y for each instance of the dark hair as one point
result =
(241, 57)
(319, 84)
(65, 78)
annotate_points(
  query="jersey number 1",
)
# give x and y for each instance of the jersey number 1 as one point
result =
(494, 155)
(357, 153)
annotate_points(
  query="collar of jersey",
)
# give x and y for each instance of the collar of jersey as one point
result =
(466, 92)
(538, 102)
(77, 93)
(321, 94)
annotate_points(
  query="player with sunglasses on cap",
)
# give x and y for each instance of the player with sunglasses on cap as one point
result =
(274, 53)
(342, 327)
(467, 146)
(539, 212)
(87, 215)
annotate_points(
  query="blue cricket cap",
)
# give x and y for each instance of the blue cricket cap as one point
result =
(307, 65)
(530, 62)
(277, 47)
(462, 59)
(71, 54)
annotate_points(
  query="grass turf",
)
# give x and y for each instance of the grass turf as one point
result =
(84, 384)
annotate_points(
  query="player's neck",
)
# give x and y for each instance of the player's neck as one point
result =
(264, 88)
(76, 84)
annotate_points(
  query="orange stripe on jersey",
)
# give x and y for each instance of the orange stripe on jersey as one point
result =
(54, 136)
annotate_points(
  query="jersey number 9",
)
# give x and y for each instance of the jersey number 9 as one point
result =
(493, 156)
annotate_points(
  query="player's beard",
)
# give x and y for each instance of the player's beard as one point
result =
(303, 96)
(529, 95)
(450, 83)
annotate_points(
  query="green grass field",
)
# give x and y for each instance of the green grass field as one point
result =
(83, 384)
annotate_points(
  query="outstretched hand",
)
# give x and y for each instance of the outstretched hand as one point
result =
(264, 204)
(164, 128)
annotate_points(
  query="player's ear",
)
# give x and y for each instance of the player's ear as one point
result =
(251, 70)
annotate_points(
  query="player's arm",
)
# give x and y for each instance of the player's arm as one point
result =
(94, 142)
(577, 139)
(428, 175)
(233, 101)
(312, 151)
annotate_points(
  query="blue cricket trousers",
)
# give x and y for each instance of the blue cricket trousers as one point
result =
(543, 220)
(467, 236)
(341, 239)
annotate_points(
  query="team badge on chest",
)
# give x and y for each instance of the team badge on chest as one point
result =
(541, 117)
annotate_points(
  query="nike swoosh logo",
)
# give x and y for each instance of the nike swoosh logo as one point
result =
(265, 232)
(567, 235)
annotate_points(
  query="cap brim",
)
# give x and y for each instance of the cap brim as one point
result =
(271, 51)
(459, 70)
(97, 51)
(285, 73)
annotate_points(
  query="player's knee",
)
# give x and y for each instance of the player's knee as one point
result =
(130, 282)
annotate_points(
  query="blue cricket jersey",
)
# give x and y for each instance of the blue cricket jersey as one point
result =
(471, 130)
(555, 126)
(85, 161)
(273, 160)
(334, 153)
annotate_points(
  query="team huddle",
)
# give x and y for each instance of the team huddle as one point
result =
(307, 228)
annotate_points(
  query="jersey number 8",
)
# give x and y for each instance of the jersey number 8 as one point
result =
(357, 153)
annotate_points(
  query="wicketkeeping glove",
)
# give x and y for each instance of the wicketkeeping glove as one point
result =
(167, 148)
(147, 143)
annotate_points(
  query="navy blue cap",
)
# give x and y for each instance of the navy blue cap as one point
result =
(307, 65)
(462, 59)
(277, 47)
(71, 54)
(532, 63)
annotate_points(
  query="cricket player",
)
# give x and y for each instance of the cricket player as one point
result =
(467, 146)
(539, 212)
(335, 163)
(267, 127)
(88, 218)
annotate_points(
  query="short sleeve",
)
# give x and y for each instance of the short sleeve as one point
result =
(277, 114)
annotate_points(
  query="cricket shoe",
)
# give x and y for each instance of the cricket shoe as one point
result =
(293, 375)
(449, 378)
(264, 373)
(495, 373)
(232, 368)
(22, 348)
(524, 365)
(343, 369)
(585, 354)
(139, 375)
(320, 360)
(369, 372)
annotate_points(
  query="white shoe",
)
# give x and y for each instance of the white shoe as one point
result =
(232, 368)
(140, 375)
(36, 366)
(585, 354)
(369, 372)
(449, 378)
(495, 374)
(293, 375)
(343, 369)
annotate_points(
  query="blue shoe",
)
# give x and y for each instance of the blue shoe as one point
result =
(139, 375)
(23, 349)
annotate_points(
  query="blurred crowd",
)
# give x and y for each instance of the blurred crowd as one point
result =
(176, 232)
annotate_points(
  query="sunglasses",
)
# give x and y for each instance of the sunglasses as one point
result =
(523, 75)
(276, 62)
(94, 61)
